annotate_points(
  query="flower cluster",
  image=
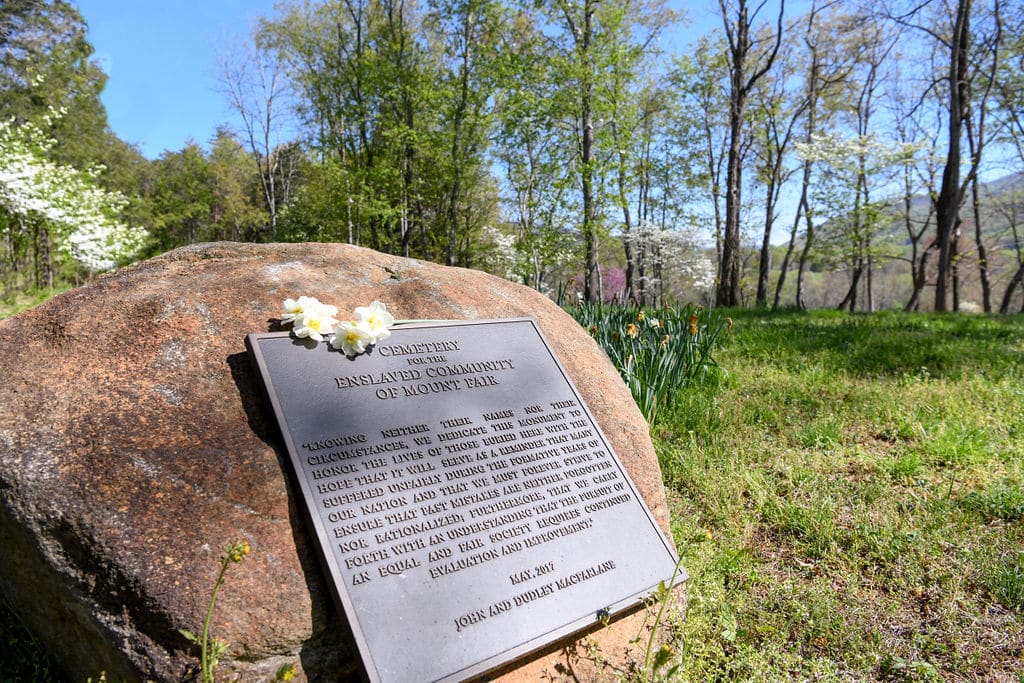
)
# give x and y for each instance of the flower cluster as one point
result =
(236, 552)
(80, 216)
(314, 320)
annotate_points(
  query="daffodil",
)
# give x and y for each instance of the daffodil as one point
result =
(693, 324)
(352, 337)
(632, 330)
(376, 319)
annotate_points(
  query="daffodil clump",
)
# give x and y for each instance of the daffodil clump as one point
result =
(657, 351)
(311, 319)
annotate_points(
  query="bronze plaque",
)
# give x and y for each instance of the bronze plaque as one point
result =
(468, 507)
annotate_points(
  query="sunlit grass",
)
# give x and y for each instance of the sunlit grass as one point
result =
(849, 503)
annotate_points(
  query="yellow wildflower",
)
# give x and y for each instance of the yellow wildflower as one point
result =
(664, 342)
(632, 330)
(237, 551)
(640, 316)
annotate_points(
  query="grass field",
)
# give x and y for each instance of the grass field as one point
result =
(849, 502)
(848, 498)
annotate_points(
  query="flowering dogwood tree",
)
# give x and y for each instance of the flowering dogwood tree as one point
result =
(79, 217)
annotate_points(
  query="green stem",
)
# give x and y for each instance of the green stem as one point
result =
(664, 597)
(203, 664)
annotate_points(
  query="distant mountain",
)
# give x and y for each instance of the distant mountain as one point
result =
(1001, 198)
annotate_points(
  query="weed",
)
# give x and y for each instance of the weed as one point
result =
(22, 657)
(212, 649)
(1004, 579)
(822, 434)
(1000, 501)
(854, 503)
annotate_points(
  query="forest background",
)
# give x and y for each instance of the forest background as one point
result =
(829, 154)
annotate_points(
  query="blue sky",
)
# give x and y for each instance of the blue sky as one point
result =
(161, 57)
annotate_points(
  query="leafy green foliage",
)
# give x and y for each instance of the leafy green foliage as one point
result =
(658, 352)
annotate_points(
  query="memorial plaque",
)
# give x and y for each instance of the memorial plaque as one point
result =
(468, 508)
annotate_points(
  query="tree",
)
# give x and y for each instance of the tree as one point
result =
(777, 115)
(597, 49)
(258, 92)
(957, 100)
(182, 198)
(468, 31)
(537, 163)
(46, 207)
(45, 65)
(236, 212)
(697, 128)
(750, 58)
(829, 62)
(989, 48)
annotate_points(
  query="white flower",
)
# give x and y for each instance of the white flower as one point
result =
(315, 321)
(293, 308)
(376, 320)
(352, 337)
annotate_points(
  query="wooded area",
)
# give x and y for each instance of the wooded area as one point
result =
(824, 154)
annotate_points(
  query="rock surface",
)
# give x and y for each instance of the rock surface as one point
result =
(135, 444)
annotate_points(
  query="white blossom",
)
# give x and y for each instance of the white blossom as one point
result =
(78, 213)
(352, 338)
(376, 320)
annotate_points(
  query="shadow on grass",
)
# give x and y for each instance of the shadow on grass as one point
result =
(884, 344)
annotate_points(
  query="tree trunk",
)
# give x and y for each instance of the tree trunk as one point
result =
(850, 300)
(1015, 282)
(947, 206)
(591, 286)
(627, 220)
(740, 85)
(764, 267)
(801, 304)
(919, 275)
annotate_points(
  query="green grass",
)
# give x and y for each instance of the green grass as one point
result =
(19, 301)
(850, 503)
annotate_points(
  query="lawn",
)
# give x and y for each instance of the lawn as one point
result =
(849, 500)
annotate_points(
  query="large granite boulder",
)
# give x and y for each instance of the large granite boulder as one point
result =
(135, 444)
